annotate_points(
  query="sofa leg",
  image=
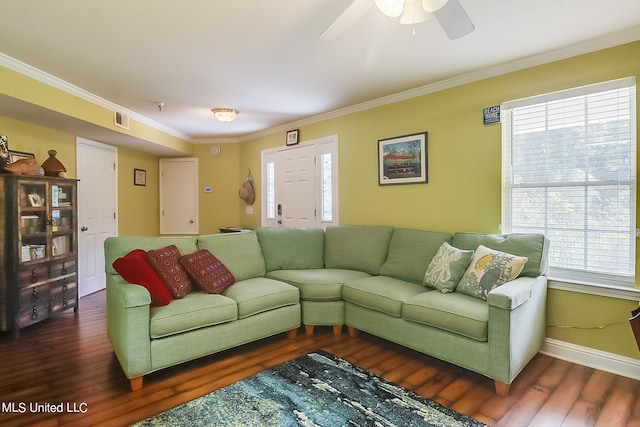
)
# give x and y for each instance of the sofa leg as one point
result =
(291, 334)
(308, 329)
(502, 389)
(353, 332)
(136, 383)
(337, 330)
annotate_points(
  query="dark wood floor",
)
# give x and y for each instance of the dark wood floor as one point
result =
(68, 361)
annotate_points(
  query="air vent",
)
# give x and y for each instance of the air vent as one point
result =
(121, 120)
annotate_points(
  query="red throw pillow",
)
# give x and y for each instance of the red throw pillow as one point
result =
(165, 262)
(207, 271)
(134, 268)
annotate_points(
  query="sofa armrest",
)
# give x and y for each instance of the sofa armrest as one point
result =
(512, 294)
(128, 321)
(517, 325)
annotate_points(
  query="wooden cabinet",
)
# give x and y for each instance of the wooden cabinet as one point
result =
(39, 256)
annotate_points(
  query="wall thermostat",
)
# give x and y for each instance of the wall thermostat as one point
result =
(215, 150)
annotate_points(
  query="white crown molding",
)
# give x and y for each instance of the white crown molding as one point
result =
(592, 358)
(614, 39)
(48, 79)
(622, 37)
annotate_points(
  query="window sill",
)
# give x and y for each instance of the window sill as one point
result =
(620, 292)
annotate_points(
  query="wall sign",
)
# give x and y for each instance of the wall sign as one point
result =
(491, 115)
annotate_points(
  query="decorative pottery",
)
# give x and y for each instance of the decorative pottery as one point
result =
(52, 166)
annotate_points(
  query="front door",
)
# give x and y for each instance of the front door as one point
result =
(296, 187)
(300, 184)
(97, 209)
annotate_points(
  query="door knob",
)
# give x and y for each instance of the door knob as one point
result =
(83, 228)
(191, 221)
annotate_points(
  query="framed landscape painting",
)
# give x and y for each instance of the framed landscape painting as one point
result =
(403, 159)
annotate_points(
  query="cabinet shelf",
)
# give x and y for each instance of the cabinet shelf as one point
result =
(38, 274)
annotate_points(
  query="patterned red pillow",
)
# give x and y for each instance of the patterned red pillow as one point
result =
(207, 271)
(165, 262)
(134, 268)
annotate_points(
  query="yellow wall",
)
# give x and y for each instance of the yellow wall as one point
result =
(39, 140)
(464, 168)
(223, 173)
(138, 206)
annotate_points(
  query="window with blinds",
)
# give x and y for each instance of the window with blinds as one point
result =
(569, 172)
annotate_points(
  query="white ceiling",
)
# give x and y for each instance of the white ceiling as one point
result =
(265, 58)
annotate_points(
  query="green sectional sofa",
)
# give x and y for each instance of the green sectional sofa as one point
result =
(370, 278)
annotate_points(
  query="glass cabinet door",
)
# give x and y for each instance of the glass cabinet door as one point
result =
(32, 209)
(62, 220)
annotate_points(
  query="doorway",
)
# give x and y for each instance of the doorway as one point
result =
(97, 210)
(300, 184)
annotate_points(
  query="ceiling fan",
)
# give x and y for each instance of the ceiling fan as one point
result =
(450, 14)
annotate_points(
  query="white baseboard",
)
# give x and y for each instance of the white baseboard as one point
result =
(592, 358)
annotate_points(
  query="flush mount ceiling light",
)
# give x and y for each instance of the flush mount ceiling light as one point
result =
(225, 115)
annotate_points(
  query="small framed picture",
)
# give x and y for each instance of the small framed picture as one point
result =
(17, 155)
(293, 137)
(139, 177)
(36, 200)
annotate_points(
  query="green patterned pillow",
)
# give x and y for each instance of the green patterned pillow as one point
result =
(446, 268)
(488, 270)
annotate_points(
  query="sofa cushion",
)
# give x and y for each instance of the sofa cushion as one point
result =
(292, 248)
(196, 310)
(410, 252)
(207, 271)
(381, 293)
(453, 312)
(362, 248)
(533, 246)
(318, 284)
(165, 262)
(239, 252)
(134, 268)
(488, 270)
(116, 247)
(447, 267)
(260, 294)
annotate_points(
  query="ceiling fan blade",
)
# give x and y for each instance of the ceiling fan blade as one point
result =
(454, 20)
(350, 16)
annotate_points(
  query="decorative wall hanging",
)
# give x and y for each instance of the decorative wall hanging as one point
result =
(247, 192)
(293, 137)
(140, 177)
(403, 159)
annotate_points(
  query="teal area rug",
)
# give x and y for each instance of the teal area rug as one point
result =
(318, 389)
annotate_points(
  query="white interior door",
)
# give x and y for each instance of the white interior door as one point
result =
(296, 187)
(97, 210)
(300, 184)
(179, 196)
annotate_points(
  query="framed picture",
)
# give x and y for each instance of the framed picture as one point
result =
(139, 177)
(36, 200)
(17, 155)
(293, 137)
(403, 159)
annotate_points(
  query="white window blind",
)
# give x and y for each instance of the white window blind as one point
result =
(569, 172)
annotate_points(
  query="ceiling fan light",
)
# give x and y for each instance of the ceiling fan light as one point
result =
(413, 13)
(433, 5)
(225, 115)
(391, 8)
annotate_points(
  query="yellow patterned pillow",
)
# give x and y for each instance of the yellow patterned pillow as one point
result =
(488, 270)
